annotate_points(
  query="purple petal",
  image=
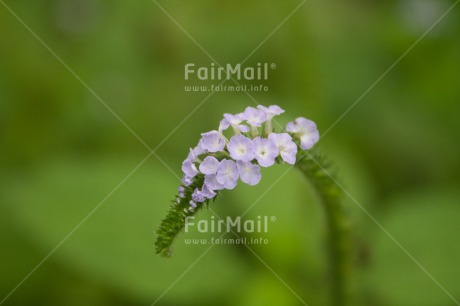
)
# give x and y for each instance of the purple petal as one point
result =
(197, 196)
(241, 148)
(189, 168)
(213, 141)
(254, 117)
(210, 181)
(289, 157)
(223, 125)
(186, 180)
(209, 165)
(308, 140)
(292, 127)
(271, 111)
(305, 130)
(207, 192)
(249, 173)
(227, 174)
(234, 120)
(286, 147)
(265, 151)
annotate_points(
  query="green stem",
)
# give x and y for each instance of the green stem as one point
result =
(314, 168)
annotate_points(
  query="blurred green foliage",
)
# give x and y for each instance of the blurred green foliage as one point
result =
(63, 152)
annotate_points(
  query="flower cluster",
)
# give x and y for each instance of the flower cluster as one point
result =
(218, 162)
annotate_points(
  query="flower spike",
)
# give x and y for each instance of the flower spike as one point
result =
(216, 163)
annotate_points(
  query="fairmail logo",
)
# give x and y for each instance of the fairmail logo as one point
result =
(257, 225)
(227, 72)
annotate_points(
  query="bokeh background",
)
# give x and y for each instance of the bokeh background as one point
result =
(68, 185)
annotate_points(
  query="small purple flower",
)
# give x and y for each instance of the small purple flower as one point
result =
(241, 148)
(195, 152)
(249, 173)
(210, 181)
(306, 130)
(193, 204)
(189, 168)
(198, 150)
(233, 119)
(207, 192)
(271, 111)
(213, 141)
(235, 122)
(265, 151)
(197, 196)
(209, 165)
(227, 174)
(203, 194)
(187, 180)
(254, 117)
(286, 147)
(223, 125)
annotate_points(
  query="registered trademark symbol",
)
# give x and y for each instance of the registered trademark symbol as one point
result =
(272, 65)
(272, 218)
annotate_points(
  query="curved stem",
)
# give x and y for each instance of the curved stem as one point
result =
(314, 168)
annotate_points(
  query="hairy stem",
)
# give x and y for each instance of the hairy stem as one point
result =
(315, 170)
(174, 221)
